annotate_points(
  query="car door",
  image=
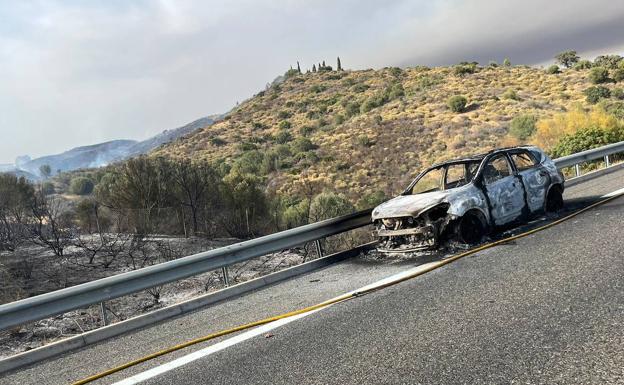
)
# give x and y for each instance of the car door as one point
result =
(534, 178)
(504, 190)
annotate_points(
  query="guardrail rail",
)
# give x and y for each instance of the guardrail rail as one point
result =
(99, 291)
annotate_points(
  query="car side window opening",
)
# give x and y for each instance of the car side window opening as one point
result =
(455, 176)
(431, 181)
(496, 168)
(523, 160)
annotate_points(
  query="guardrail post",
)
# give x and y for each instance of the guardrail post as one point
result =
(319, 249)
(577, 169)
(104, 315)
(226, 278)
(607, 163)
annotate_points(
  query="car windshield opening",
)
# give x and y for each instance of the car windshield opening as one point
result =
(446, 177)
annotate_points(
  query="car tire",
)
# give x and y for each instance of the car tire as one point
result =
(554, 200)
(470, 229)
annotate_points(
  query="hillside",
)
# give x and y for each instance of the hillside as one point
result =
(101, 154)
(375, 129)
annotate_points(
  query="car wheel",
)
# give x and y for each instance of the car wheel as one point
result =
(470, 229)
(554, 200)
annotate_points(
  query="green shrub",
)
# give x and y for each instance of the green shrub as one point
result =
(247, 146)
(360, 87)
(339, 119)
(365, 141)
(614, 108)
(523, 126)
(352, 109)
(216, 141)
(318, 88)
(283, 136)
(583, 65)
(598, 75)
(283, 114)
(510, 94)
(370, 200)
(553, 69)
(297, 214)
(284, 125)
(81, 186)
(618, 93)
(507, 62)
(595, 93)
(463, 69)
(329, 205)
(586, 139)
(306, 130)
(302, 145)
(457, 103)
(618, 74)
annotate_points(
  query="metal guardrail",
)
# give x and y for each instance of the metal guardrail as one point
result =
(64, 300)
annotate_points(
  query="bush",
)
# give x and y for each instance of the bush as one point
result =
(553, 69)
(586, 139)
(283, 114)
(598, 75)
(583, 65)
(283, 136)
(352, 109)
(523, 126)
(284, 125)
(457, 103)
(360, 87)
(216, 141)
(297, 214)
(81, 186)
(618, 74)
(618, 93)
(329, 205)
(302, 145)
(371, 200)
(510, 94)
(365, 141)
(464, 69)
(594, 94)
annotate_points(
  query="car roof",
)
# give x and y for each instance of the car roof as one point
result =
(479, 157)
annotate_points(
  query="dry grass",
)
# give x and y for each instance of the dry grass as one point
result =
(402, 136)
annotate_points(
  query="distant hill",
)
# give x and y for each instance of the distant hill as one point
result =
(101, 154)
(357, 132)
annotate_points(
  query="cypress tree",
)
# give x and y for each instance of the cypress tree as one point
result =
(338, 66)
(323, 63)
(298, 67)
(313, 67)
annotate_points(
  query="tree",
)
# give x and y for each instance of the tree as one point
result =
(599, 75)
(567, 58)
(583, 65)
(298, 67)
(338, 64)
(81, 186)
(45, 170)
(608, 61)
(313, 67)
(523, 126)
(457, 103)
(618, 74)
(197, 187)
(51, 224)
(16, 199)
(507, 62)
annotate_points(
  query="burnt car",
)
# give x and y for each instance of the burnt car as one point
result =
(467, 198)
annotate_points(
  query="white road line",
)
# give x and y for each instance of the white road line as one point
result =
(151, 373)
(613, 193)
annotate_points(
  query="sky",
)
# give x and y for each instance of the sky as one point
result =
(78, 72)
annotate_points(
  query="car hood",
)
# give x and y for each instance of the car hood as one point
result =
(409, 205)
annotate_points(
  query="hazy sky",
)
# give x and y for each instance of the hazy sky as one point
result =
(79, 72)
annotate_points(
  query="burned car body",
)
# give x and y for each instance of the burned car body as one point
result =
(466, 198)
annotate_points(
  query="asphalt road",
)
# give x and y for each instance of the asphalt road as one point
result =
(546, 309)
